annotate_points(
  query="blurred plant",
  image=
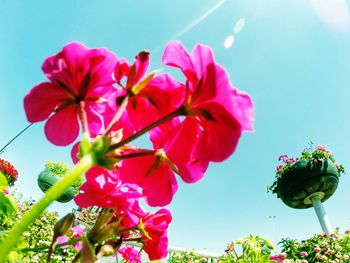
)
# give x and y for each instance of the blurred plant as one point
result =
(60, 169)
(309, 154)
(255, 249)
(38, 235)
(9, 171)
(187, 256)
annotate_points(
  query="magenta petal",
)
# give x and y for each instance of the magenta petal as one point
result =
(134, 170)
(160, 186)
(176, 55)
(93, 119)
(62, 128)
(182, 150)
(202, 57)
(42, 100)
(218, 141)
(244, 110)
(141, 64)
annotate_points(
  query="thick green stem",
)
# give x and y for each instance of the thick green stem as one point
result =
(51, 195)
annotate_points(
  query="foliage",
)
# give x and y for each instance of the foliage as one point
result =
(38, 234)
(255, 249)
(9, 171)
(186, 256)
(7, 203)
(319, 248)
(309, 154)
(59, 169)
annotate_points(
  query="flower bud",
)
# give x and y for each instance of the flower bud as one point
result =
(87, 252)
(109, 248)
(62, 226)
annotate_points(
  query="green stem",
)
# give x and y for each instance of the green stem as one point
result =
(178, 112)
(51, 195)
(34, 249)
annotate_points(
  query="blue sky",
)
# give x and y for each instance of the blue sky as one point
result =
(292, 58)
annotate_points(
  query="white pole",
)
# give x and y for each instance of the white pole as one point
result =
(321, 214)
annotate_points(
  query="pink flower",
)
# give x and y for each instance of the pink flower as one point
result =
(212, 106)
(104, 189)
(279, 167)
(155, 239)
(154, 174)
(130, 254)
(77, 231)
(276, 258)
(282, 157)
(80, 78)
(159, 97)
(317, 249)
(304, 254)
(61, 240)
(282, 255)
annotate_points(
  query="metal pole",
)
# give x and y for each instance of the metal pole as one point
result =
(321, 214)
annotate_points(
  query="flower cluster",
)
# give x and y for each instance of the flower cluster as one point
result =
(319, 248)
(129, 254)
(113, 102)
(309, 154)
(10, 172)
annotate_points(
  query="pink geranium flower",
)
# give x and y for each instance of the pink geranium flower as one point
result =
(158, 97)
(61, 240)
(154, 174)
(130, 254)
(104, 189)
(154, 228)
(80, 79)
(212, 106)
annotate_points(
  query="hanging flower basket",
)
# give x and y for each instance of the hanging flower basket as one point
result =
(47, 179)
(9, 171)
(298, 180)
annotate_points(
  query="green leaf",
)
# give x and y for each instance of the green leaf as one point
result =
(3, 182)
(7, 204)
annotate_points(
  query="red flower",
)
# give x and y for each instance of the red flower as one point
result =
(9, 171)
(79, 78)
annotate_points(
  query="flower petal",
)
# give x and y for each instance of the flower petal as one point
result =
(62, 128)
(176, 55)
(42, 100)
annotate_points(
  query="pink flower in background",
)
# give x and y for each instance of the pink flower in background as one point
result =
(155, 239)
(213, 107)
(276, 258)
(304, 254)
(130, 254)
(61, 240)
(79, 78)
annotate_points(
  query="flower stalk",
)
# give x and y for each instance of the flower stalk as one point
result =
(51, 195)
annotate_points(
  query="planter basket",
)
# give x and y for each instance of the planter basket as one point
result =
(47, 179)
(305, 179)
